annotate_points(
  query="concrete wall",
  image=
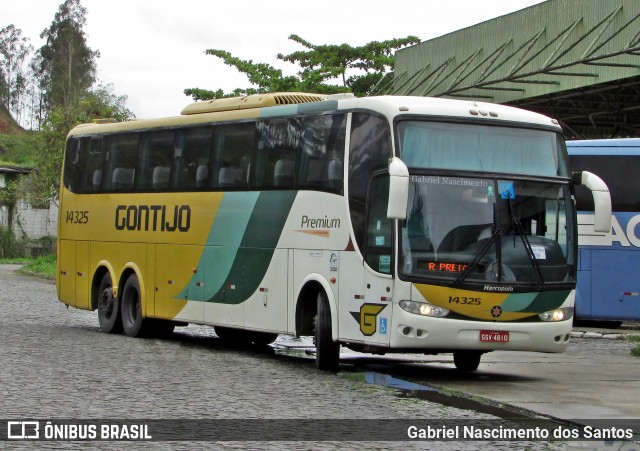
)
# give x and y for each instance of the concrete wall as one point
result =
(32, 223)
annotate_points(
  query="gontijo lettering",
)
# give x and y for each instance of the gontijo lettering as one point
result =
(154, 218)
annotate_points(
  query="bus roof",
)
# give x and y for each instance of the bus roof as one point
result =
(286, 104)
(620, 146)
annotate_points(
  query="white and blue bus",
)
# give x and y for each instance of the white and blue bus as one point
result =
(609, 263)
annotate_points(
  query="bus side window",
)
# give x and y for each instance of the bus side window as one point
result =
(379, 228)
(192, 159)
(72, 162)
(122, 160)
(370, 150)
(322, 153)
(156, 155)
(276, 157)
(93, 167)
(233, 149)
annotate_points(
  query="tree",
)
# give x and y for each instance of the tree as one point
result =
(14, 49)
(67, 64)
(323, 62)
(44, 181)
(320, 64)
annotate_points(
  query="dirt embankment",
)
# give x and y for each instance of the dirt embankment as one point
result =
(8, 126)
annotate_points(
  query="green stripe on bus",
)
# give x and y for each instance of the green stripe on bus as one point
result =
(240, 246)
(258, 243)
(518, 302)
(222, 245)
(534, 302)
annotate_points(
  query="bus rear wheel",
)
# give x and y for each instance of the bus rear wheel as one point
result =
(108, 307)
(133, 323)
(467, 361)
(327, 351)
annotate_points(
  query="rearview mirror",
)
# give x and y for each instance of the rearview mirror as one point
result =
(601, 199)
(398, 189)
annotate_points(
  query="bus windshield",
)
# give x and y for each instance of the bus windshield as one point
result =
(457, 146)
(499, 229)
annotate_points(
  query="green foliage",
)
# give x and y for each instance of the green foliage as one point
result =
(10, 247)
(329, 61)
(44, 181)
(634, 338)
(44, 266)
(18, 150)
(14, 49)
(320, 64)
(67, 66)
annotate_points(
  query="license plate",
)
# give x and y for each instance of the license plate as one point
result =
(494, 336)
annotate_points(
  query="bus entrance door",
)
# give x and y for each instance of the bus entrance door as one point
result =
(365, 310)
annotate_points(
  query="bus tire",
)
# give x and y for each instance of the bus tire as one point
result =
(108, 307)
(327, 351)
(133, 323)
(467, 361)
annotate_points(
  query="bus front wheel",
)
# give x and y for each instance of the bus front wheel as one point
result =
(327, 351)
(108, 307)
(133, 323)
(467, 361)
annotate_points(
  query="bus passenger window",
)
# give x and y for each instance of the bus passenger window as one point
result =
(156, 154)
(276, 154)
(233, 150)
(192, 159)
(93, 167)
(77, 148)
(122, 160)
(322, 153)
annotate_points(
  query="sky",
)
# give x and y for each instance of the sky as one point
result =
(151, 50)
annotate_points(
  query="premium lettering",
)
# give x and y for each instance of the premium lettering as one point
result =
(154, 218)
(319, 223)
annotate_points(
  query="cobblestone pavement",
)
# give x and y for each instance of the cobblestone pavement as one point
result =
(55, 363)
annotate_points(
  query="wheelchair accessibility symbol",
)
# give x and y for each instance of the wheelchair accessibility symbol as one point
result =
(383, 326)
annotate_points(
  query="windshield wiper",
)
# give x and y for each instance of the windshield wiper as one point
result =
(519, 230)
(481, 252)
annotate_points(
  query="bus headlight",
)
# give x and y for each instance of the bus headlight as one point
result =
(559, 314)
(423, 308)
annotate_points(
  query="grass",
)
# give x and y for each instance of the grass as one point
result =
(44, 266)
(634, 339)
(15, 261)
(18, 150)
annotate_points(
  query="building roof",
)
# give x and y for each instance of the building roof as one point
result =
(577, 61)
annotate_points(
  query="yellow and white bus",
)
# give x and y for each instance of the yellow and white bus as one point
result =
(384, 224)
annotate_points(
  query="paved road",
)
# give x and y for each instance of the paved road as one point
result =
(55, 363)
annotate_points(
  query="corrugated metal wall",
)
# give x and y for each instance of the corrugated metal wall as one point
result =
(554, 46)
